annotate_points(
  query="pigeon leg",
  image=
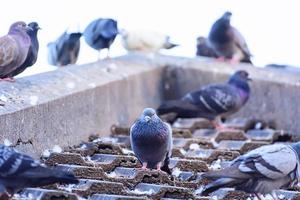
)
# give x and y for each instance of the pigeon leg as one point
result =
(234, 61)
(158, 166)
(108, 54)
(99, 55)
(219, 126)
(260, 196)
(8, 79)
(274, 196)
(144, 167)
(220, 59)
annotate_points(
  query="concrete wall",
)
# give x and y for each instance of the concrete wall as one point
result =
(65, 106)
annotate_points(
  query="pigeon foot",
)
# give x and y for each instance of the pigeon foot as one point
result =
(8, 79)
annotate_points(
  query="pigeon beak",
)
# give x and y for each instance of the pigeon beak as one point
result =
(39, 28)
(249, 79)
(147, 118)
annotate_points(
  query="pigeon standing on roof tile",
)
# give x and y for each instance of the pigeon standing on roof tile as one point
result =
(260, 171)
(65, 49)
(227, 41)
(145, 41)
(101, 33)
(212, 101)
(151, 141)
(18, 171)
(14, 48)
(33, 49)
(203, 48)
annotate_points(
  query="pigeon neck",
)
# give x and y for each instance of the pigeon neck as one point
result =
(219, 31)
(33, 38)
(242, 87)
(21, 35)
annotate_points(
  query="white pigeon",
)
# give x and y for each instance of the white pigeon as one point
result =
(145, 41)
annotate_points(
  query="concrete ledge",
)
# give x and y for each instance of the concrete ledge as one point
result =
(65, 106)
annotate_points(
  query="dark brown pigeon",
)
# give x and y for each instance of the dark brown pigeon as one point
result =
(227, 41)
(260, 171)
(14, 48)
(212, 101)
(203, 48)
(33, 49)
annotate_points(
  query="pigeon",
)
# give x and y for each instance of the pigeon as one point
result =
(213, 101)
(14, 49)
(151, 141)
(287, 68)
(203, 48)
(33, 49)
(101, 33)
(65, 49)
(227, 41)
(18, 171)
(260, 171)
(145, 41)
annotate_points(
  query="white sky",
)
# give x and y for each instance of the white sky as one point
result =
(271, 27)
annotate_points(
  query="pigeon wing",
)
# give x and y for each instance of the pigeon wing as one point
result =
(274, 161)
(218, 98)
(8, 50)
(240, 41)
(13, 163)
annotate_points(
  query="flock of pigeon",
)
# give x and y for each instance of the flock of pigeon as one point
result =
(19, 48)
(260, 171)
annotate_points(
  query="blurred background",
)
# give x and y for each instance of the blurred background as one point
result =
(270, 27)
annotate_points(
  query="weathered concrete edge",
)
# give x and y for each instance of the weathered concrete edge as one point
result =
(65, 106)
(71, 103)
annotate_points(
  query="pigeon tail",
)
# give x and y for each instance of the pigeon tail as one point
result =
(177, 106)
(168, 107)
(44, 176)
(223, 182)
(247, 60)
(166, 167)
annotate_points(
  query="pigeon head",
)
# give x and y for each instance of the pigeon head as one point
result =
(224, 21)
(201, 40)
(240, 79)
(219, 30)
(110, 28)
(34, 26)
(148, 115)
(19, 27)
(75, 36)
(226, 16)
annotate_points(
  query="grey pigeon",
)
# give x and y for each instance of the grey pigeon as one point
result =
(101, 33)
(286, 68)
(65, 49)
(212, 101)
(151, 141)
(203, 48)
(33, 49)
(14, 48)
(227, 41)
(18, 171)
(259, 171)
